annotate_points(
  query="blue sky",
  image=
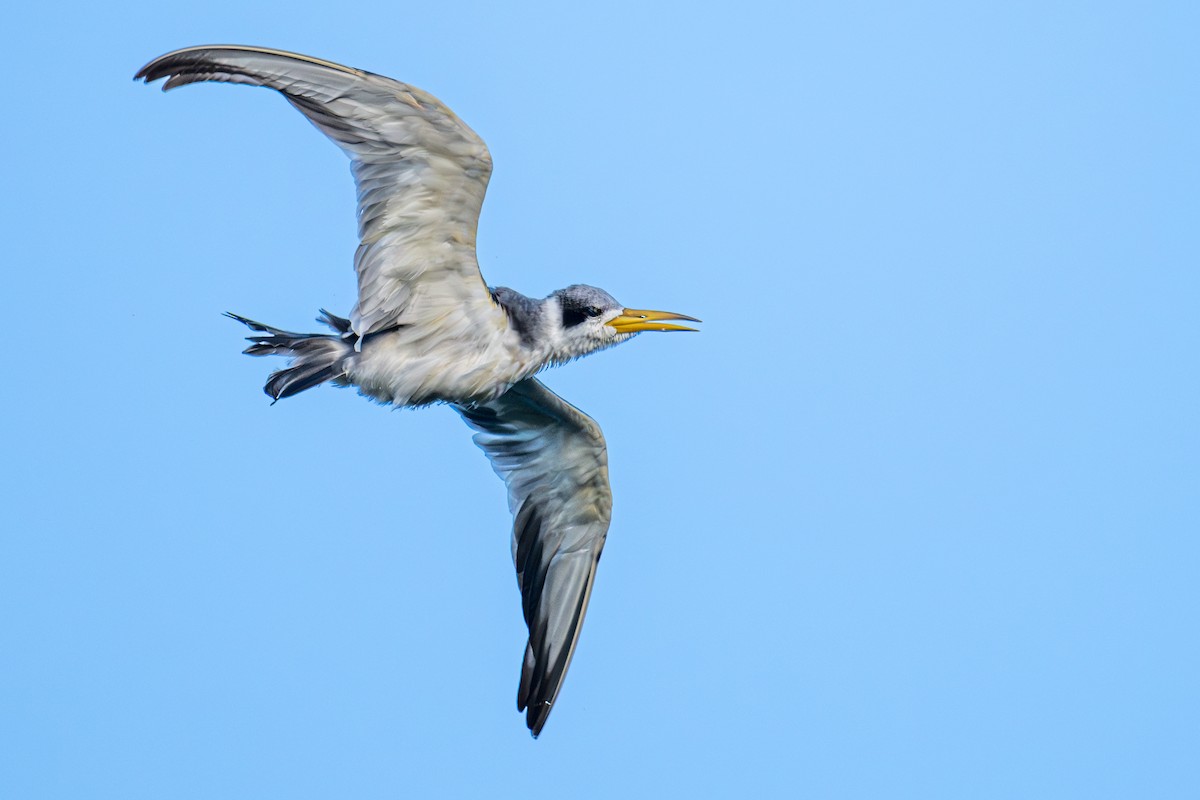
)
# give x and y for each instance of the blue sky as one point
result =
(914, 516)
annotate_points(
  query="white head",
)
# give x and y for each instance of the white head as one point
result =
(583, 319)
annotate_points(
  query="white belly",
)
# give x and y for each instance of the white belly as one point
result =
(407, 369)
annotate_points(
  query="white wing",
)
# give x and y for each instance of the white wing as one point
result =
(553, 459)
(421, 175)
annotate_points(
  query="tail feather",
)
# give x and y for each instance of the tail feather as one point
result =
(315, 357)
(339, 324)
(293, 380)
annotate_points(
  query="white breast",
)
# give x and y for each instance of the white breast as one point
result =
(407, 369)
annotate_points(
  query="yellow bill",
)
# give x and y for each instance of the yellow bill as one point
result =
(633, 320)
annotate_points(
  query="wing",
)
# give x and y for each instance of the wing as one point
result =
(553, 459)
(421, 175)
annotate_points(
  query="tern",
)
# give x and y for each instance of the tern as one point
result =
(426, 328)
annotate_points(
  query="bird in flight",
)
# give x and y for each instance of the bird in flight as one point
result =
(427, 329)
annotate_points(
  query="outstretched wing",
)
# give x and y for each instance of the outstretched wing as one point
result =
(553, 459)
(421, 175)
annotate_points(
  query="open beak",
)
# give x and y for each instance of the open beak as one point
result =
(633, 320)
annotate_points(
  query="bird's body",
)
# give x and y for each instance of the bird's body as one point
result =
(427, 329)
(397, 367)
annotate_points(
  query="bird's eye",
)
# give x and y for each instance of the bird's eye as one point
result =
(592, 311)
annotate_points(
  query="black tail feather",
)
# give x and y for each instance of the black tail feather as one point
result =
(293, 380)
(339, 324)
(316, 357)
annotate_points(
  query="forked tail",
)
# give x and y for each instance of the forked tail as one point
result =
(315, 357)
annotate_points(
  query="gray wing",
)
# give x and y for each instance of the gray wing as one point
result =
(421, 175)
(554, 461)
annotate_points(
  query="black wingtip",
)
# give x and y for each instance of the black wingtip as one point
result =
(536, 717)
(148, 75)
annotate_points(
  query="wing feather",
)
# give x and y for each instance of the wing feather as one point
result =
(554, 462)
(421, 175)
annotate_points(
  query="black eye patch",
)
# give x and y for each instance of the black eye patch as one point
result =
(572, 317)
